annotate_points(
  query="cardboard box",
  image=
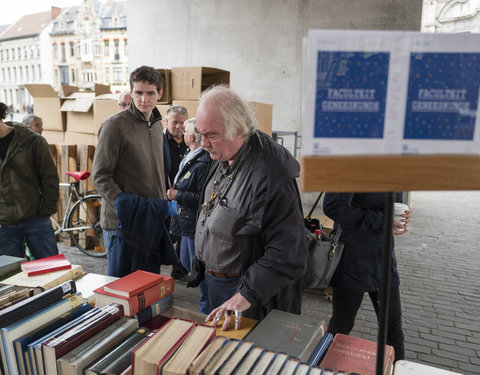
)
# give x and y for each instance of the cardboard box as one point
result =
(190, 105)
(104, 106)
(188, 83)
(53, 137)
(46, 104)
(73, 138)
(167, 86)
(163, 108)
(264, 113)
(79, 109)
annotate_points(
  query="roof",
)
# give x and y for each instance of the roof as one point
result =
(29, 25)
(3, 28)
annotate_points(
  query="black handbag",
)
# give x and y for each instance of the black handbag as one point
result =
(197, 275)
(325, 254)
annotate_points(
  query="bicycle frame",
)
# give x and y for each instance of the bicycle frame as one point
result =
(73, 193)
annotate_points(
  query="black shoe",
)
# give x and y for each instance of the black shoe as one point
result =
(179, 272)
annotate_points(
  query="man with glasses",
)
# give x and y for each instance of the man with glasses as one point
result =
(124, 100)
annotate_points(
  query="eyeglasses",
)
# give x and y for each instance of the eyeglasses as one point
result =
(123, 105)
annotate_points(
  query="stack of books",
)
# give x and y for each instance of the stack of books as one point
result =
(140, 292)
(9, 265)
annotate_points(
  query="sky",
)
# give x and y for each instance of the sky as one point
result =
(16, 9)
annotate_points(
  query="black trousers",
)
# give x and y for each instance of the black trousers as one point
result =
(345, 304)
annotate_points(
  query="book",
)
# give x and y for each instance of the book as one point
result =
(35, 348)
(9, 264)
(405, 367)
(277, 363)
(290, 366)
(191, 346)
(134, 283)
(302, 369)
(91, 281)
(246, 325)
(220, 357)
(281, 331)
(250, 360)
(234, 359)
(154, 351)
(120, 357)
(155, 309)
(6, 289)
(21, 344)
(58, 345)
(320, 349)
(354, 354)
(21, 327)
(202, 359)
(264, 362)
(44, 281)
(76, 360)
(45, 265)
(13, 302)
(13, 295)
(32, 304)
(134, 304)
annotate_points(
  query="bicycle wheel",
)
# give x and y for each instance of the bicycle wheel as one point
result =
(84, 226)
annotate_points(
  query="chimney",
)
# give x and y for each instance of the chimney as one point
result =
(56, 12)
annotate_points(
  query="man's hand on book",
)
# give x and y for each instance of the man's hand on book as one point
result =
(232, 309)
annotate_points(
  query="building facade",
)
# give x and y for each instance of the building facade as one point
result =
(25, 57)
(451, 16)
(89, 45)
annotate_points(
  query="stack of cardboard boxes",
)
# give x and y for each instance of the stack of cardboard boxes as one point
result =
(75, 117)
(184, 86)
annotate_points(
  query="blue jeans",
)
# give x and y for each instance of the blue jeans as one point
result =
(221, 289)
(107, 240)
(187, 251)
(38, 234)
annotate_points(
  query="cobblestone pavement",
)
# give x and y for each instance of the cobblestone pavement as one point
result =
(438, 262)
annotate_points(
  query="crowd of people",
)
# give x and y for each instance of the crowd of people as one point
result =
(238, 230)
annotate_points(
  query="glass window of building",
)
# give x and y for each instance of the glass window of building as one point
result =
(117, 74)
(107, 75)
(27, 78)
(107, 47)
(33, 72)
(72, 49)
(55, 51)
(39, 72)
(64, 52)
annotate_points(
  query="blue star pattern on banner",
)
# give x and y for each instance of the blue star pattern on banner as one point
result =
(442, 96)
(351, 92)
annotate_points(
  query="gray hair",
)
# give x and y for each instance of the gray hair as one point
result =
(28, 119)
(191, 129)
(237, 114)
(178, 109)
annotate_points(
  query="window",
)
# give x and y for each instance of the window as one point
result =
(14, 74)
(56, 76)
(3, 74)
(64, 53)
(38, 51)
(1, 54)
(55, 51)
(26, 73)
(39, 72)
(32, 51)
(64, 75)
(9, 75)
(97, 49)
(117, 74)
(13, 53)
(6, 54)
(25, 53)
(72, 49)
(107, 75)
(19, 53)
(33, 72)
(73, 75)
(78, 49)
(107, 47)
(20, 73)
(125, 47)
(116, 49)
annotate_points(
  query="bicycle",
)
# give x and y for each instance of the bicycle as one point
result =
(82, 217)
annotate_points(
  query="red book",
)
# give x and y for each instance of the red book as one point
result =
(134, 304)
(353, 354)
(133, 283)
(45, 265)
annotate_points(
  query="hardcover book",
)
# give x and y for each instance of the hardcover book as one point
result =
(354, 354)
(155, 351)
(220, 357)
(91, 281)
(134, 304)
(155, 309)
(404, 367)
(29, 323)
(250, 360)
(13, 295)
(44, 281)
(6, 289)
(234, 359)
(264, 362)
(119, 359)
(290, 366)
(320, 349)
(191, 346)
(44, 265)
(202, 359)
(35, 348)
(76, 360)
(57, 346)
(133, 283)
(281, 331)
(33, 304)
(21, 344)
(277, 363)
(9, 264)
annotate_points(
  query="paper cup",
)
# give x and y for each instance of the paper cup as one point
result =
(398, 210)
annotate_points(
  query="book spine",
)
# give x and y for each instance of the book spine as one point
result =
(30, 305)
(53, 269)
(74, 337)
(73, 274)
(150, 296)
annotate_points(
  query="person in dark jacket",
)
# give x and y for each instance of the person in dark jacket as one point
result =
(28, 191)
(360, 268)
(188, 184)
(249, 233)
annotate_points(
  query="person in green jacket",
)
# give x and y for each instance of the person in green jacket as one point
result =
(28, 191)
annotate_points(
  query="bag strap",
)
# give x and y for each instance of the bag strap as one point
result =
(336, 238)
(314, 206)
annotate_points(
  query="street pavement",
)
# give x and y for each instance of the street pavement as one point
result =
(438, 261)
